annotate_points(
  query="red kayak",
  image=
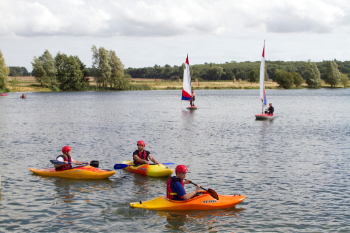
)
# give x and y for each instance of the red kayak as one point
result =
(2, 94)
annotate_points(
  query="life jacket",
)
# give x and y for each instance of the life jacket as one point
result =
(141, 156)
(170, 184)
(65, 166)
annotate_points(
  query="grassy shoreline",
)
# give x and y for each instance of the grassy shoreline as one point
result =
(29, 84)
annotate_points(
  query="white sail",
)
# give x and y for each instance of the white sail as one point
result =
(262, 78)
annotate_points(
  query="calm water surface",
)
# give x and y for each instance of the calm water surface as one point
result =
(294, 170)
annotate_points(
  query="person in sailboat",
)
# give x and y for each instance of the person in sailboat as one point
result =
(193, 98)
(270, 110)
(142, 156)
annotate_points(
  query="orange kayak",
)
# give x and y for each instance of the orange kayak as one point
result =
(84, 172)
(201, 202)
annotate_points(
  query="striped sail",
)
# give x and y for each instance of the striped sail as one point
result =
(186, 90)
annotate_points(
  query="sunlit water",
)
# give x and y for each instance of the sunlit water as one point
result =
(294, 170)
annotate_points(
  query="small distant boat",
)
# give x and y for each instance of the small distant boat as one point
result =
(23, 96)
(3, 94)
(187, 88)
(263, 116)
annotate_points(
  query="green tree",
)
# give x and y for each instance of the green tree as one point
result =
(312, 75)
(266, 75)
(70, 72)
(242, 75)
(332, 75)
(284, 78)
(227, 76)
(344, 80)
(4, 72)
(253, 76)
(215, 72)
(298, 80)
(100, 61)
(18, 71)
(119, 80)
(44, 69)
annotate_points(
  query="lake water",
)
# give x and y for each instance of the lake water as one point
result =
(293, 170)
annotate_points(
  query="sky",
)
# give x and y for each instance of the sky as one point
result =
(144, 33)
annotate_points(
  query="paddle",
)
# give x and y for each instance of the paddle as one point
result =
(61, 163)
(210, 191)
(121, 166)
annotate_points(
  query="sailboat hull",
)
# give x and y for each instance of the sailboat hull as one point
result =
(264, 116)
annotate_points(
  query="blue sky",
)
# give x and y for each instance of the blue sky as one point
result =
(145, 33)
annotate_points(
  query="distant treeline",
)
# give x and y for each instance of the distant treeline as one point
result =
(69, 73)
(207, 72)
(16, 71)
(231, 70)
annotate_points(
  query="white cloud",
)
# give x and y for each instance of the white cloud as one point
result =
(147, 32)
(169, 18)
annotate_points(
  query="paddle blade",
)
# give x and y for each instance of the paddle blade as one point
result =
(56, 162)
(213, 194)
(168, 163)
(120, 166)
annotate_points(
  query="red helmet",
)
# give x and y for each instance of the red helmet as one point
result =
(65, 149)
(181, 168)
(142, 143)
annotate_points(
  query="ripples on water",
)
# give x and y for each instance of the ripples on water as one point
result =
(294, 170)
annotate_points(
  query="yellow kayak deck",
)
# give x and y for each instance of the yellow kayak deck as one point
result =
(154, 170)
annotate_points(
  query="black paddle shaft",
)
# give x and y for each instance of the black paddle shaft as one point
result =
(210, 191)
(201, 186)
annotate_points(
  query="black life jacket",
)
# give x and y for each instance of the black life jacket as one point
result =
(170, 185)
(65, 166)
(141, 156)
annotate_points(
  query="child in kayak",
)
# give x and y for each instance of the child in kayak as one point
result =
(141, 156)
(175, 186)
(67, 159)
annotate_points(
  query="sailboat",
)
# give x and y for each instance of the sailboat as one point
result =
(263, 116)
(187, 88)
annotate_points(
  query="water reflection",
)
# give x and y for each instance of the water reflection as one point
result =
(211, 220)
(69, 190)
(142, 184)
(188, 115)
(145, 184)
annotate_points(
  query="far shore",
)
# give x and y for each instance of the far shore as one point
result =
(29, 84)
